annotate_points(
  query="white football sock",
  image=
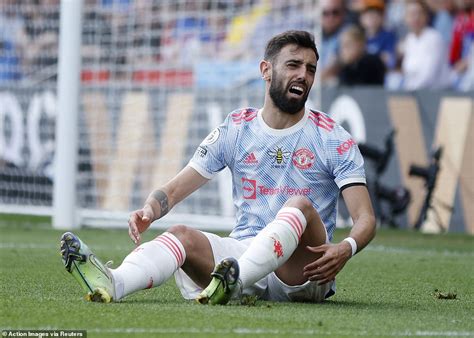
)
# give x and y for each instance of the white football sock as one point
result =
(272, 246)
(149, 265)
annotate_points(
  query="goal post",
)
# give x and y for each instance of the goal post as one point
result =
(69, 68)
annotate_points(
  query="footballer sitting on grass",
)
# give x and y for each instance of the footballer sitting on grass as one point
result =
(288, 165)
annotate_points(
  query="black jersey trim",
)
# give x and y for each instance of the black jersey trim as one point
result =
(352, 185)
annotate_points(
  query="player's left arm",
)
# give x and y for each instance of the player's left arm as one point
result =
(360, 208)
(335, 256)
(346, 164)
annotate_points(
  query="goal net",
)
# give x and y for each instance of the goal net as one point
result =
(156, 77)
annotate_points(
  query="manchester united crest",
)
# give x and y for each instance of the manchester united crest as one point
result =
(303, 158)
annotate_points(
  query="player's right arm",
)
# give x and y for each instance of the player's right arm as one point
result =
(212, 155)
(163, 199)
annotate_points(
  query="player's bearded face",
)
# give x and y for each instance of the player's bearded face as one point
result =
(280, 94)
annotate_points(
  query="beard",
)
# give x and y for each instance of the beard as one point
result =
(278, 94)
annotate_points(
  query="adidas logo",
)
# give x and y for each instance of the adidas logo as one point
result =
(251, 159)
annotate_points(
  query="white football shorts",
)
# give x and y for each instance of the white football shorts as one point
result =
(268, 288)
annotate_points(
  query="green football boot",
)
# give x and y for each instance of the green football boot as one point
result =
(224, 283)
(93, 276)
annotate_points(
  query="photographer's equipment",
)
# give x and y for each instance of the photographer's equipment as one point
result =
(429, 175)
(388, 202)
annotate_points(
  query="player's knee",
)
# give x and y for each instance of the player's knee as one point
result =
(301, 202)
(305, 205)
(184, 234)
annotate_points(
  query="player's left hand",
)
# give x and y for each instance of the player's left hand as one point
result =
(333, 259)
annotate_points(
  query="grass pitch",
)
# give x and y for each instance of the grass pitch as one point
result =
(395, 287)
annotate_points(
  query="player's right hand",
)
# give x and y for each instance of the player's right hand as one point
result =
(139, 221)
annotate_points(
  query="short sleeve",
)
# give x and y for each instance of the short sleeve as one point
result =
(215, 151)
(345, 159)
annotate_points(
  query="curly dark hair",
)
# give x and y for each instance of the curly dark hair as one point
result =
(299, 38)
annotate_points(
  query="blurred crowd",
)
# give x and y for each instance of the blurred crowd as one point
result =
(28, 37)
(400, 44)
(404, 44)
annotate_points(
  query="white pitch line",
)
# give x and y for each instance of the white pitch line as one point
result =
(277, 332)
(374, 248)
(392, 249)
(444, 334)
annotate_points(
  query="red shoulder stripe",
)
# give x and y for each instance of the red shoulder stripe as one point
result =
(245, 114)
(322, 121)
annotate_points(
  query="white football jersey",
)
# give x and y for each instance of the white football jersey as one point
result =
(315, 158)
